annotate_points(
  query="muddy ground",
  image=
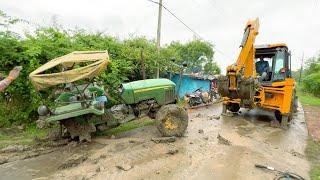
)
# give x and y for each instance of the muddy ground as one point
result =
(312, 114)
(245, 140)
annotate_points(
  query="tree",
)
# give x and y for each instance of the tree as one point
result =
(197, 54)
(311, 79)
(211, 68)
(20, 101)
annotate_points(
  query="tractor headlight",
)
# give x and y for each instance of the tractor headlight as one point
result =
(43, 110)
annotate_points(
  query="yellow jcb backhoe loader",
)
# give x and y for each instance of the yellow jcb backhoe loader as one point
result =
(261, 77)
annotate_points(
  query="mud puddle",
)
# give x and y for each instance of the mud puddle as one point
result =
(47, 163)
(197, 155)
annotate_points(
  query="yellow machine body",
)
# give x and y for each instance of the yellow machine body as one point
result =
(269, 86)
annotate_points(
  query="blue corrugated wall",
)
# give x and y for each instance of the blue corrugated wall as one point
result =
(190, 84)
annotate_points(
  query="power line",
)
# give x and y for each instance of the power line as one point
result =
(188, 27)
(177, 19)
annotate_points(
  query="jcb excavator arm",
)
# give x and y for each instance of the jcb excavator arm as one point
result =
(245, 63)
(240, 79)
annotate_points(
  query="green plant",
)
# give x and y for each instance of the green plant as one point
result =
(311, 83)
(19, 102)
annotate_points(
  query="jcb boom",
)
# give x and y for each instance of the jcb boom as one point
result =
(261, 77)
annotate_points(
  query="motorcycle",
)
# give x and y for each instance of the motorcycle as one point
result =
(198, 97)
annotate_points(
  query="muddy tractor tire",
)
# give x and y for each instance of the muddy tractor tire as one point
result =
(172, 120)
(77, 128)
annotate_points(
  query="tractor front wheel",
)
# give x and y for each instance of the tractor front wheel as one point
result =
(172, 120)
(79, 128)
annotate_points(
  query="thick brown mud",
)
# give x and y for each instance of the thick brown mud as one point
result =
(197, 155)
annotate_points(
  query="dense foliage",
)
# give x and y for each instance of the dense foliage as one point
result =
(19, 102)
(311, 79)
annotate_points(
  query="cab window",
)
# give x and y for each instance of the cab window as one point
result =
(279, 66)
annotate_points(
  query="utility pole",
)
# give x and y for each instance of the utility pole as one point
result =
(143, 69)
(158, 37)
(301, 67)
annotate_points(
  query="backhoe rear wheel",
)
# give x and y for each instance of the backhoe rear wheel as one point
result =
(285, 120)
(172, 120)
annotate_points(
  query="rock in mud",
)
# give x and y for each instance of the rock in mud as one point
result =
(173, 151)
(216, 117)
(74, 160)
(297, 154)
(223, 140)
(198, 115)
(3, 160)
(41, 124)
(132, 141)
(14, 148)
(113, 137)
(125, 167)
(164, 139)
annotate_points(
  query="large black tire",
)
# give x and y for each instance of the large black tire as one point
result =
(172, 120)
(278, 115)
(293, 106)
(233, 107)
(79, 128)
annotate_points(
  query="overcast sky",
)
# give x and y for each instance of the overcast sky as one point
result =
(294, 22)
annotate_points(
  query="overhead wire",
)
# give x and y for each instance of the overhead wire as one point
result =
(188, 27)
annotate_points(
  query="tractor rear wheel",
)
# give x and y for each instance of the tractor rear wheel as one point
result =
(172, 120)
(79, 128)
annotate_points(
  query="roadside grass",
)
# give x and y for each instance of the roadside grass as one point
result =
(13, 136)
(313, 155)
(25, 137)
(145, 121)
(312, 150)
(307, 98)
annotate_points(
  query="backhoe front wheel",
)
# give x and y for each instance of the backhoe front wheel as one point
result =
(172, 120)
(284, 120)
(233, 107)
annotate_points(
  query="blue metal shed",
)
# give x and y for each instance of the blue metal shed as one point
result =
(190, 83)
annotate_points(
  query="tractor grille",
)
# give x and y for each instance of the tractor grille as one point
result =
(169, 96)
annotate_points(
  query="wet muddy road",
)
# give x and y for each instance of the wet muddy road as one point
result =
(198, 155)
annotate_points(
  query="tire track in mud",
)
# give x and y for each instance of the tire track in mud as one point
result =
(197, 148)
(199, 156)
(150, 159)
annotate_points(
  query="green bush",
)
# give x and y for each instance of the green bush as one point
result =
(19, 102)
(311, 83)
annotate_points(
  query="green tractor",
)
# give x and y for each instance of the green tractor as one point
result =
(80, 104)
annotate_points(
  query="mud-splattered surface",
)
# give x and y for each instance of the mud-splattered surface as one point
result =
(312, 115)
(245, 140)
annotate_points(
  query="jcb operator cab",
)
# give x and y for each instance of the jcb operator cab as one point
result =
(273, 63)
